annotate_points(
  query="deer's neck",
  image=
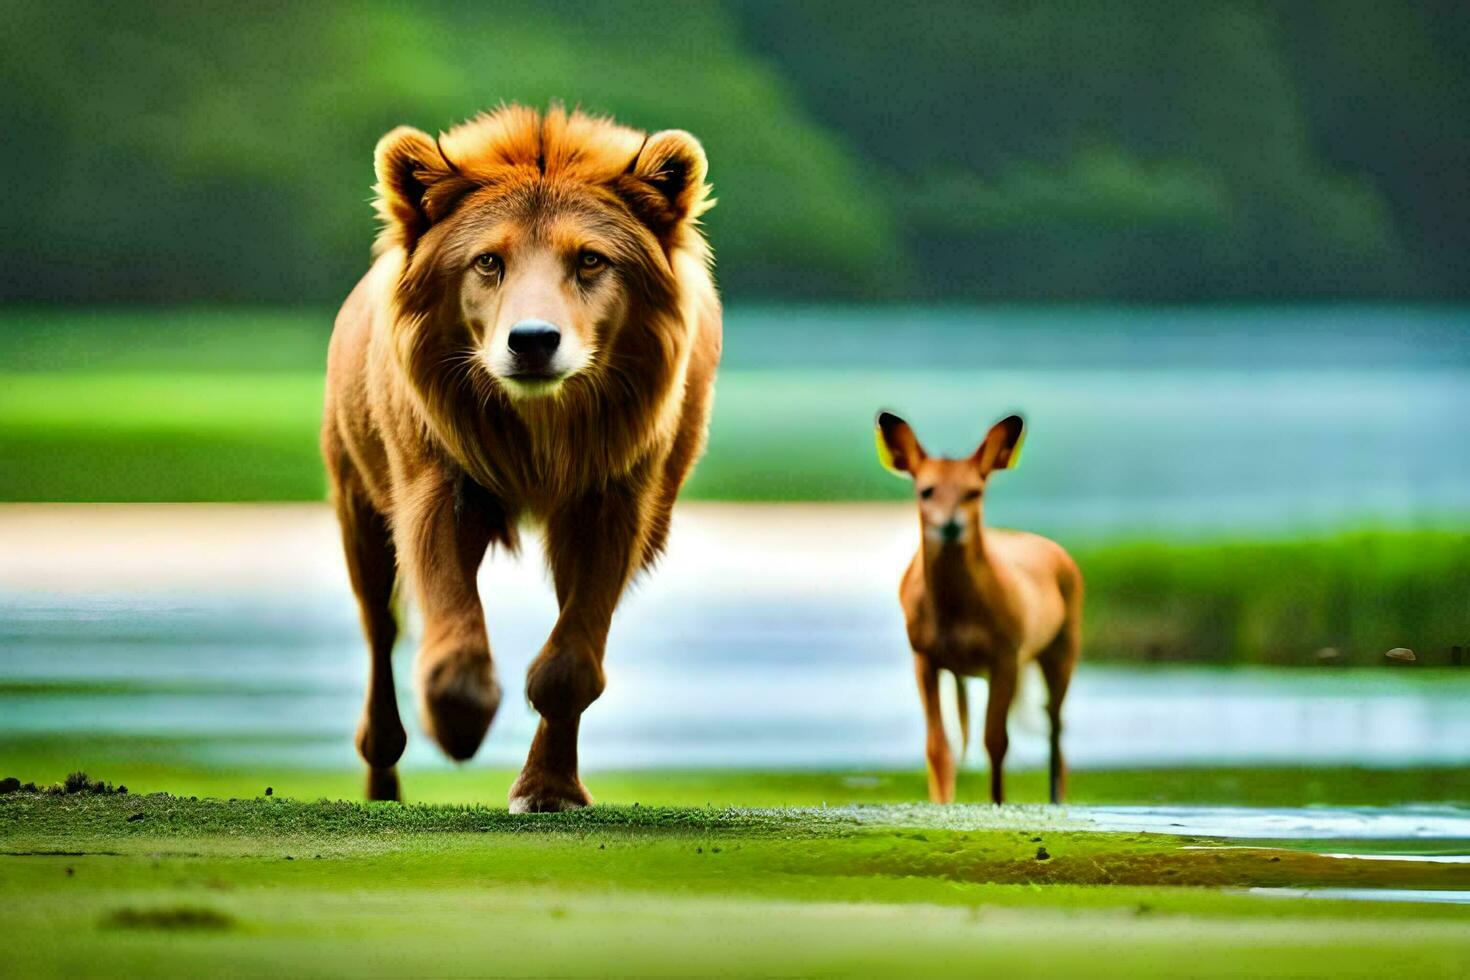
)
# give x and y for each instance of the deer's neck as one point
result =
(961, 573)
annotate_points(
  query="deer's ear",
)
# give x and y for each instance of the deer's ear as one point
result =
(898, 448)
(417, 185)
(1001, 449)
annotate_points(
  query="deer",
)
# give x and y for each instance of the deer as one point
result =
(980, 600)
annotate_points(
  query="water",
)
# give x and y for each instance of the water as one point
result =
(1423, 895)
(753, 645)
(1158, 421)
(1138, 339)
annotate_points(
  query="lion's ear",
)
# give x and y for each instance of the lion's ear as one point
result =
(665, 185)
(417, 185)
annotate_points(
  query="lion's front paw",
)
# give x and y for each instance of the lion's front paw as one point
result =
(545, 793)
(382, 784)
(459, 699)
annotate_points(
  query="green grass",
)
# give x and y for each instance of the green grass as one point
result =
(134, 884)
(187, 766)
(1279, 602)
(160, 436)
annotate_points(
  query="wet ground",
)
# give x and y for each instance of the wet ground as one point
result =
(678, 889)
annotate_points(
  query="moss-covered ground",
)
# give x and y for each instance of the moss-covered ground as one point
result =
(681, 882)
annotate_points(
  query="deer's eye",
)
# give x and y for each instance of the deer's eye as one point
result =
(926, 493)
(972, 495)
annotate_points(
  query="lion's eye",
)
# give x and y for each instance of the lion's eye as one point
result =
(487, 263)
(590, 261)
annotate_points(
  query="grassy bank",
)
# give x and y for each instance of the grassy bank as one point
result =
(1344, 599)
(126, 884)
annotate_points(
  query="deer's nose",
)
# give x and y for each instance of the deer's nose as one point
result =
(533, 342)
(949, 531)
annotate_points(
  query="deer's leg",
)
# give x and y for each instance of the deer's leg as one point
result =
(1057, 663)
(593, 546)
(442, 537)
(937, 754)
(997, 708)
(371, 566)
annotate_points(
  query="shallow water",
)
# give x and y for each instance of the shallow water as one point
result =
(751, 647)
(1400, 823)
(1430, 896)
(1433, 834)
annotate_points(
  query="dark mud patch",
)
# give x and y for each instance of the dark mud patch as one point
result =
(1094, 860)
(192, 918)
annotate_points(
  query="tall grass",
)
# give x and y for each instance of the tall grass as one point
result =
(1343, 599)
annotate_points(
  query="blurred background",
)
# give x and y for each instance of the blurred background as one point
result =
(1218, 253)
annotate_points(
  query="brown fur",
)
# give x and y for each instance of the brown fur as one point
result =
(435, 449)
(978, 600)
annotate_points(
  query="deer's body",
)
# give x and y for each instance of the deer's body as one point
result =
(1000, 600)
(982, 601)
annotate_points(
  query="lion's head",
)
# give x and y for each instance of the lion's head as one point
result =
(535, 244)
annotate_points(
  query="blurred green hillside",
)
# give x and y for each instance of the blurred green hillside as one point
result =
(1135, 149)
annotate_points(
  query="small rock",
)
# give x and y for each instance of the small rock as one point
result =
(1328, 655)
(1401, 654)
(1042, 853)
(9, 785)
(269, 791)
(135, 817)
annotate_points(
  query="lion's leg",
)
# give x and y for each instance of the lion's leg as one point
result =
(593, 547)
(442, 541)
(371, 567)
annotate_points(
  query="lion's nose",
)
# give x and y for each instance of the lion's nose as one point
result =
(533, 342)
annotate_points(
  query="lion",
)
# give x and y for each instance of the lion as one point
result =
(536, 339)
